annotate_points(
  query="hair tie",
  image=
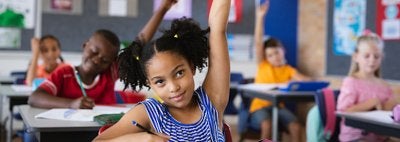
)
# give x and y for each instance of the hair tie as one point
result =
(367, 32)
(176, 36)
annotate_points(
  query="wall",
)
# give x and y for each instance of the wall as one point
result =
(312, 37)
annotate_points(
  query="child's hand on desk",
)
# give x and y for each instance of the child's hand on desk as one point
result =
(375, 103)
(82, 103)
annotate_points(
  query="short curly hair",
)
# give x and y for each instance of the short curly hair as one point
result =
(185, 38)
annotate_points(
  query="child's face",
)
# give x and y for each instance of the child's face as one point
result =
(275, 56)
(50, 51)
(171, 77)
(98, 55)
(368, 57)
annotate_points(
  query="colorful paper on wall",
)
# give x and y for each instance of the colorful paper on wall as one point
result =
(349, 23)
(17, 13)
(388, 19)
(180, 9)
(235, 13)
(10, 38)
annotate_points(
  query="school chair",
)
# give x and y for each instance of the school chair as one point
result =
(322, 123)
(19, 76)
(236, 78)
(129, 97)
(36, 82)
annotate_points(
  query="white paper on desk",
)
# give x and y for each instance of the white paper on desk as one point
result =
(378, 115)
(264, 87)
(21, 88)
(80, 114)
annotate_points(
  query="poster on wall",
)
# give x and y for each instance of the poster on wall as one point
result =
(62, 6)
(240, 47)
(349, 22)
(10, 38)
(118, 8)
(235, 13)
(17, 13)
(178, 10)
(388, 19)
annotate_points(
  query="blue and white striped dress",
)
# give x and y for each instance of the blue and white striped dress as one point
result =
(204, 130)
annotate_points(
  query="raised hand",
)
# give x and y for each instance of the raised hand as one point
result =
(262, 10)
(35, 47)
(168, 3)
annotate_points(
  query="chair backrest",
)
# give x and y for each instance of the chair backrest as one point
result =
(36, 83)
(19, 76)
(237, 77)
(129, 97)
(103, 128)
(227, 133)
(326, 100)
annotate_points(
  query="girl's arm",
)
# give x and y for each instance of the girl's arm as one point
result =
(259, 31)
(365, 106)
(125, 131)
(42, 99)
(301, 77)
(31, 74)
(147, 33)
(216, 82)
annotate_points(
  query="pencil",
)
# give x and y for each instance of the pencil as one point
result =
(141, 127)
(80, 84)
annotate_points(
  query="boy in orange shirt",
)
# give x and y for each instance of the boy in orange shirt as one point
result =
(272, 68)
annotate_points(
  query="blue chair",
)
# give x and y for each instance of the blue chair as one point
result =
(36, 82)
(236, 78)
(19, 76)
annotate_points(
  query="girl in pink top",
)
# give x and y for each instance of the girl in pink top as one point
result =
(363, 89)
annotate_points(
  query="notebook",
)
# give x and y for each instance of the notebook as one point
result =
(305, 86)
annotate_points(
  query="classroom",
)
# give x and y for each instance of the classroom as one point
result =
(330, 47)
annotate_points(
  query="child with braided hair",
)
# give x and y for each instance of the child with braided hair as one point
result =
(167, 66)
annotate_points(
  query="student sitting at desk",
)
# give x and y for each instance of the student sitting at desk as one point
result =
(93, 81)
(86, 84)
(48, 48)
(272, 68)
(363, 89)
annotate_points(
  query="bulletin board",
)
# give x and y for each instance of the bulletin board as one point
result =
(74, 29)
(340, 65)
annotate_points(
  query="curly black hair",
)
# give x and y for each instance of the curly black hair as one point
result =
(185, 38)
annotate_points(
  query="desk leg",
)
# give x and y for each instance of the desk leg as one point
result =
(275, 123)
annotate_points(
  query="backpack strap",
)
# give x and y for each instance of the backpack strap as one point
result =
(330, 107)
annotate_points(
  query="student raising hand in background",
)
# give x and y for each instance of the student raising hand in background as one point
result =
(48, 49)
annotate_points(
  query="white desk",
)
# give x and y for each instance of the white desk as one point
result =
(48, 130)
(263, 91)
(6, 80)
(379, 122)
(12, 97)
